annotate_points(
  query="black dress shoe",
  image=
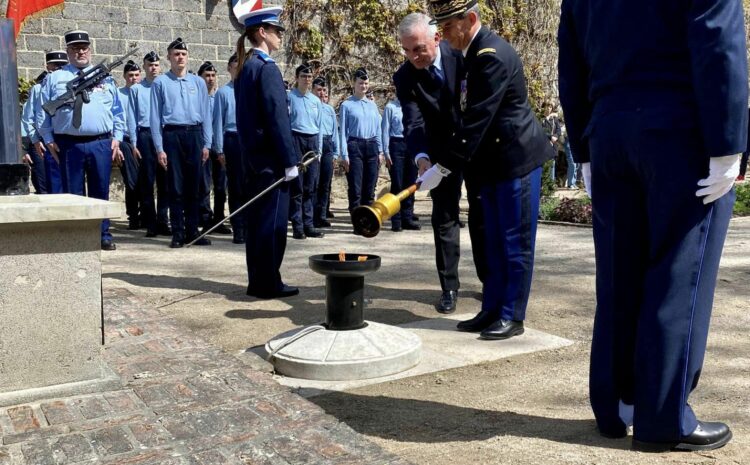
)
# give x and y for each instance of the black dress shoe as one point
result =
(312, 232)
(323, 224)
(285, 291)
(150, 234)
(201, 241)
(107, 244)
(134, 226)
(176, 243)
(329, 214)
(396, 228)
(707, 436)
(461, 224)
(239, 237)
(411, 226)
(223, 229)
(480, 322)
(414, 218)
(163, 230)
(447, 303)
(298, 235)
(502, 329)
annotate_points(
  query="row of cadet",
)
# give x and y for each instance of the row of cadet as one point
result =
(177, 130)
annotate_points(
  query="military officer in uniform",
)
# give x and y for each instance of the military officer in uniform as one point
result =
(86, 152)
(502, 147)
(329, 129)
(426, 86)
(267, 147)
(129, 167)
(361, 144)
(45, 172)
(655, 100)
(305, 113)
(226, 145)
(181, 130)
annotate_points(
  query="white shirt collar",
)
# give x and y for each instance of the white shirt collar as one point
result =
(438, 62)
(466, 50)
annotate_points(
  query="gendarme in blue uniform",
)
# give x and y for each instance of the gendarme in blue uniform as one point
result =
(329, 130)
(651, 90)
(403, 170)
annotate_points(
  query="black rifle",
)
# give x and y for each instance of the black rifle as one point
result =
(77, 92)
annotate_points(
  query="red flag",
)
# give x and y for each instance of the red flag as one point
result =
(19, 10)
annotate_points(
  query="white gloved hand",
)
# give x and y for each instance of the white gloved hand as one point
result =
(290, 173)
(431, 178)
(722, 173)
(586, 172)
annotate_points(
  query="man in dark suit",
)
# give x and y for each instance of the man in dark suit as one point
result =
(502, 147)
(655, 99)
(426, 88)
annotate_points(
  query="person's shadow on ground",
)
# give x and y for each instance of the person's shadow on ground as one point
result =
(411, 420)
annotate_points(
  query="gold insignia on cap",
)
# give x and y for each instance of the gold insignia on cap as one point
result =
(486, 50)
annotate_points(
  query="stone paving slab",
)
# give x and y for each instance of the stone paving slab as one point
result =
(184, 402)
(443, 348)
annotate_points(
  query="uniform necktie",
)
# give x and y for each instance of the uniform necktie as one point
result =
(437, 75)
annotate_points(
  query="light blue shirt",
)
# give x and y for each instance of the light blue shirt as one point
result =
(180, 101)
(305, 112)
(225, 117)
(127, 108)
(103, 114)
(359, 118)
(28, 116)
(393, 124)
(329, 126)
(140, 107)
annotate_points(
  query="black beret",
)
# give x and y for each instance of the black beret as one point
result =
(177, 44)
(131, 66)
(303, 68)
(151, 57)
(361, 73)
(233, 58)
(207, 66)
(319, 81)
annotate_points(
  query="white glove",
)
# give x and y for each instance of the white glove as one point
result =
(722, 173)
(432, 177)
(290, 173)
(586, 172)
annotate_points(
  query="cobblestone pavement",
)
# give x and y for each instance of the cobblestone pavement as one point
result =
(184, 402)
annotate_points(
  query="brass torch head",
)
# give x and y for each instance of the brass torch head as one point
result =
(366, 221)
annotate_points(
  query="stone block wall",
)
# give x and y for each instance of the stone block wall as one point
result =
(208, 26)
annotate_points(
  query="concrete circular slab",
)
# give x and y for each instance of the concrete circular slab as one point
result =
(314, 352)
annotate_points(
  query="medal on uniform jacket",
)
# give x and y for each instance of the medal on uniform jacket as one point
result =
(463, 95)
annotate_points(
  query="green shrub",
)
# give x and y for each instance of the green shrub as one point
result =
(24, 86)
(548, 184)
(547, 208)
(742, 204)
(568, 210)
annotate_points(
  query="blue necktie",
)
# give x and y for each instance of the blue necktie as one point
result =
(437, 75)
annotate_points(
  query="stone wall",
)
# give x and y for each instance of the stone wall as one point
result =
(208, 26)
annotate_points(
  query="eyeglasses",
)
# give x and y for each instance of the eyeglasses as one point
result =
(80, 48)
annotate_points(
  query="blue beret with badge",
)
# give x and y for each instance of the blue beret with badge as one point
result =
(207, 66)
(151, 57)
(177, 44)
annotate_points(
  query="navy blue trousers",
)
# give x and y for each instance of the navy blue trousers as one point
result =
(743, 163)
(236, 188)
(129, 172)
(657, 257)
(510, 210)
(150, 172)
(214, 174)
(38, 173)
(53, 174)
(403, 173)
(86, 166)
(325, 178)
(303, 189)
(363, 171)
(265, 241)
(184, 146)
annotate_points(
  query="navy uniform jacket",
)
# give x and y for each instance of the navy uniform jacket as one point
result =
(430, 116)
(499, 135)
(621, 69)
(262, 117)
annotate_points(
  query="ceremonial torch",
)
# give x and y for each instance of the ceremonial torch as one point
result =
(368, 219)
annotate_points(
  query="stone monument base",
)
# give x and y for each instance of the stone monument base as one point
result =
(51, 336)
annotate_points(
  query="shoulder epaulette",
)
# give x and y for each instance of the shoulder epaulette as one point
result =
(486, 50)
